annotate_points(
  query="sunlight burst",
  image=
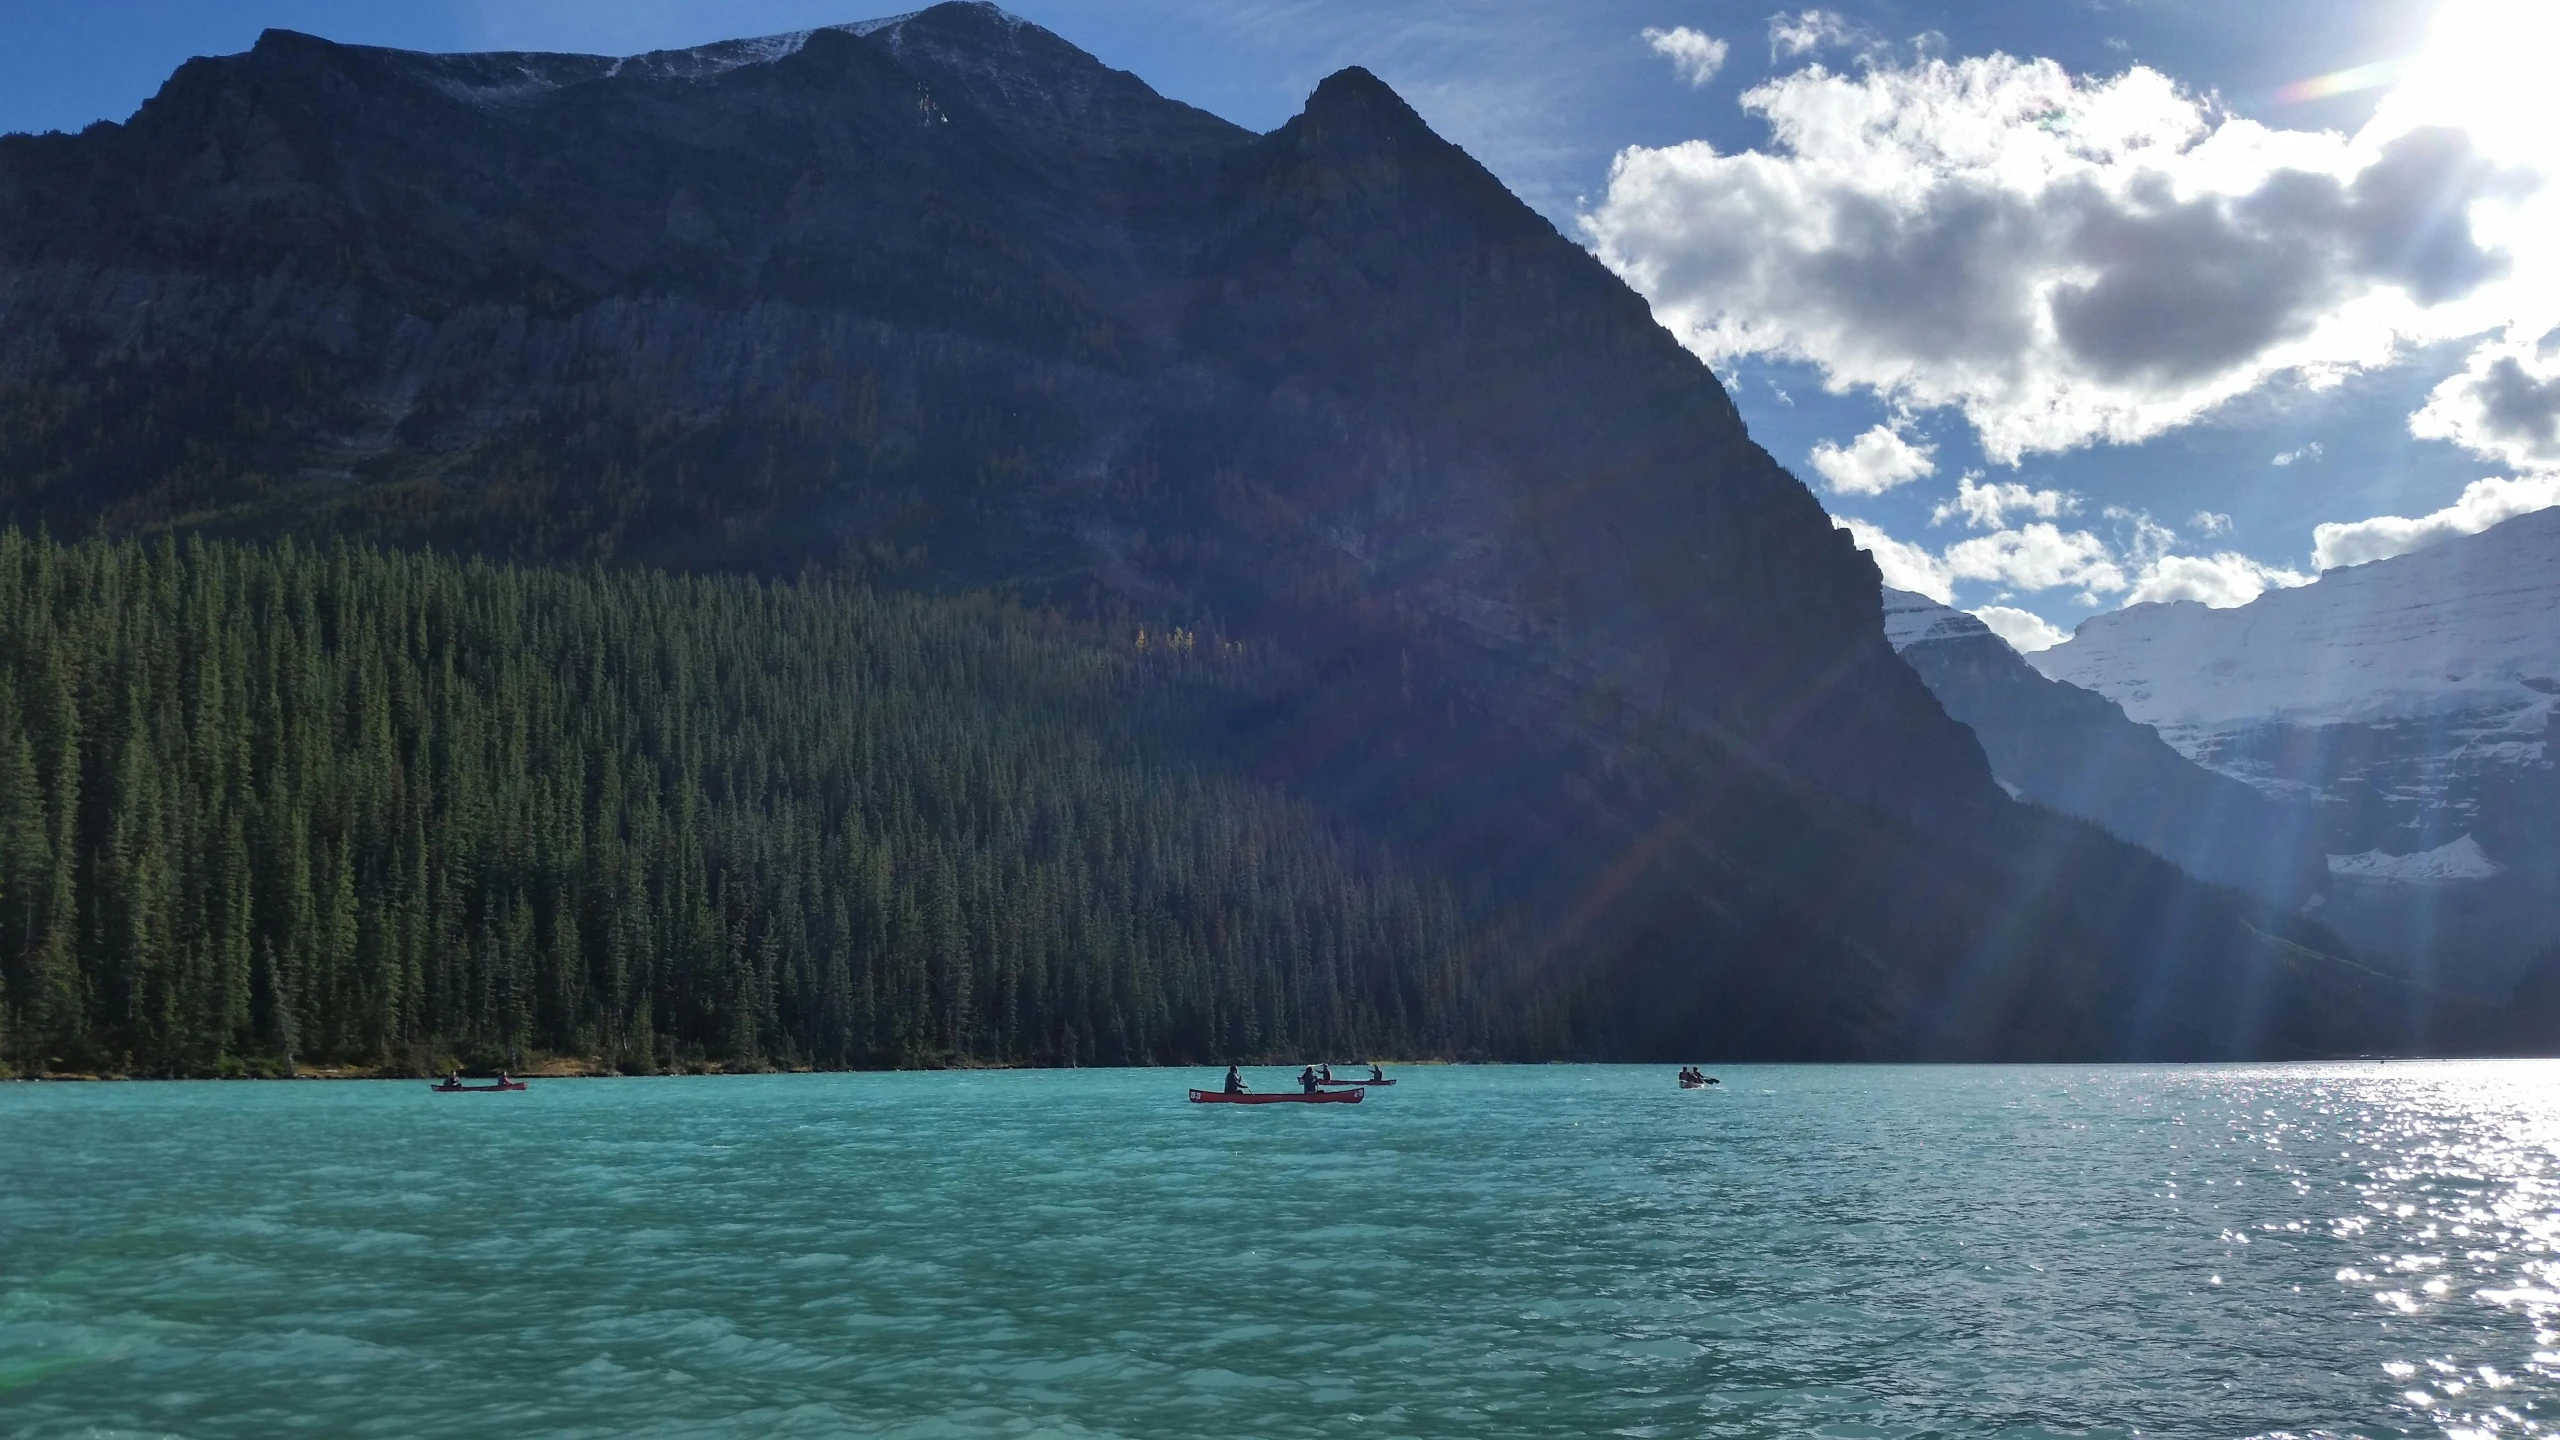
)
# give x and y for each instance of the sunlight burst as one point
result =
(2486, 67)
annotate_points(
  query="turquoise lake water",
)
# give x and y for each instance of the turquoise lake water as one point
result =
(1836, 1251)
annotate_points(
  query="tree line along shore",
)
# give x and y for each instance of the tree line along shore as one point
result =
(275, 809)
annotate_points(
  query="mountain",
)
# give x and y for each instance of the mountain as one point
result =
(941, 296)
(2408, 705)
(2077, 751)
(941, 303)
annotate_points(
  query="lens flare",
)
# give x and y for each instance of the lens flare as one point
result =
(2341, 82)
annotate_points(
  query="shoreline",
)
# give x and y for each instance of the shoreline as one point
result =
(564, 1068)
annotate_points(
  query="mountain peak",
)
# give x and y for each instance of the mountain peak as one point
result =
(1354, 102)
(1355, 86)
(1911, 619)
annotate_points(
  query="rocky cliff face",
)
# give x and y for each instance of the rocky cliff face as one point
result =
(944, 301)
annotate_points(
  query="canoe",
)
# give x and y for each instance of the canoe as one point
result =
(1355, 1082)
(1276, 1097)
(1698, 1084)
(443, 1089)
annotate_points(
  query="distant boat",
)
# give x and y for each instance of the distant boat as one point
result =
(1700, 1084)
(1355, 1082)
(1276, 1097)
(447, 1087)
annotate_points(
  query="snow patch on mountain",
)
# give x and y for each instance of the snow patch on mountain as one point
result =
(2460, 860)
(704, 61)
(498, 79)
(874, 27)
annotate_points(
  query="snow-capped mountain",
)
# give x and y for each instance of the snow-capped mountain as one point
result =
(2075, 750)
(2466, 633)
(2405, 695)
(2408, 703)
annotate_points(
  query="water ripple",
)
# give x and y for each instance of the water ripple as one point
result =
(2304, 1251)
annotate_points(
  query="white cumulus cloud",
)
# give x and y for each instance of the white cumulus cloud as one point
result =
(1988, 506)
(2505, 404)
(1807, 31)
(2065, 260)
(2037, 556)
(2220, 581)
(2025, 630)
(1873, 463)
(1694, 55)
(2140, 563)
(2483, 503)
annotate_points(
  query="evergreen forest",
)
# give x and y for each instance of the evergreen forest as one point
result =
(263, 807)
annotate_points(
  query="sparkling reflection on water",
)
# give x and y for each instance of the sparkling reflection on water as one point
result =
(1840, 1251)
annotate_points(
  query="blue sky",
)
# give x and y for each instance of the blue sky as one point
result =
(2197, 265)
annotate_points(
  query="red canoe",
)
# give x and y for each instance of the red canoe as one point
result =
(1355, 1082)
(1277, 1097)
(475, 1089)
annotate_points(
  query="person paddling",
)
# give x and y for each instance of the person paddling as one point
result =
(1376, 1074)
(1326, 1073)
(1235, 1081)
(1307, 1080)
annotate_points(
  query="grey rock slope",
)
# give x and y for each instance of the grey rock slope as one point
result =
(2077, 751)
(945, 302)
